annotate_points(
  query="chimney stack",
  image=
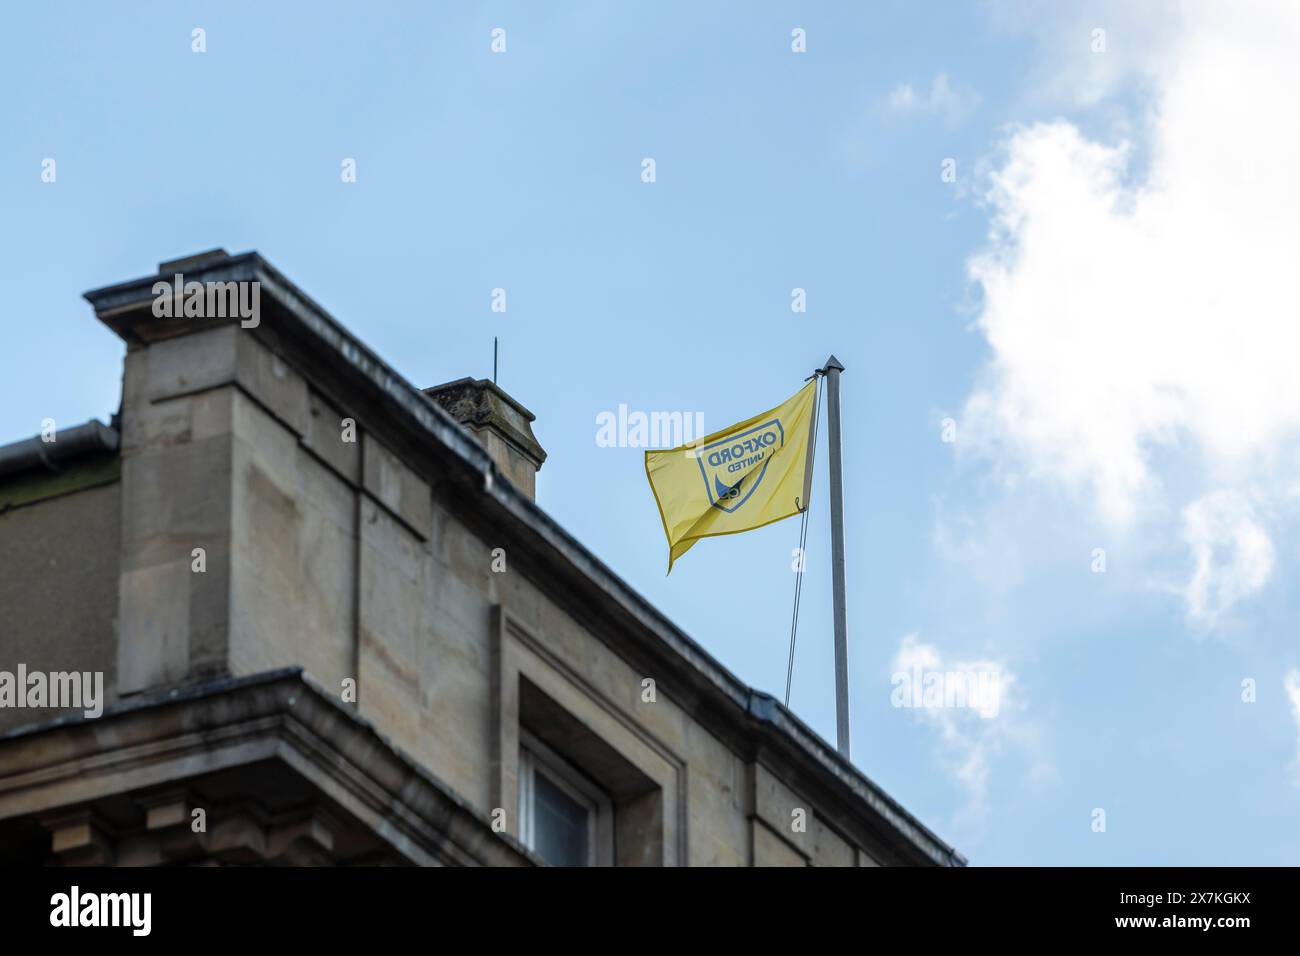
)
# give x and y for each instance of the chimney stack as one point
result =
(501, 425)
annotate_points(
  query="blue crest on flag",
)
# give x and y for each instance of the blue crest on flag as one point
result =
(733, 467)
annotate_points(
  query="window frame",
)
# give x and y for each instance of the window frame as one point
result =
(536, 757)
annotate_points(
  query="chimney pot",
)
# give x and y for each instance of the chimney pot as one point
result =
(499, 423)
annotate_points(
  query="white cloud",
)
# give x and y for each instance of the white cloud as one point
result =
(977, 709)
(1138, 296)
(1136, 43)
(944, 100)
(1233, 554)
(1292, 684)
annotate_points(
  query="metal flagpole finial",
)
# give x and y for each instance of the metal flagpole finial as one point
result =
(832, 363)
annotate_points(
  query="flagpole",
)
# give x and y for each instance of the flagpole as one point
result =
(833, 370)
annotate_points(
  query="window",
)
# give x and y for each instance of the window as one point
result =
(563, 817)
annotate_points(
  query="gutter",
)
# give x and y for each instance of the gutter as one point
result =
(92, 438)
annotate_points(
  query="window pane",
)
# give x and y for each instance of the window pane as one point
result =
(559, 824)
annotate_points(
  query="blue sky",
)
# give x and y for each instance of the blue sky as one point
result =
(1097, 303)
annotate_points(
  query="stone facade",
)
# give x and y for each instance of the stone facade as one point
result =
(382, 617)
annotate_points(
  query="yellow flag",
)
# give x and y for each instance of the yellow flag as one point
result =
(738, 479)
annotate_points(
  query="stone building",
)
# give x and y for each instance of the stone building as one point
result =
(286, 562)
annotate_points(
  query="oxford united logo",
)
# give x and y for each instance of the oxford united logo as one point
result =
(733, 468)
